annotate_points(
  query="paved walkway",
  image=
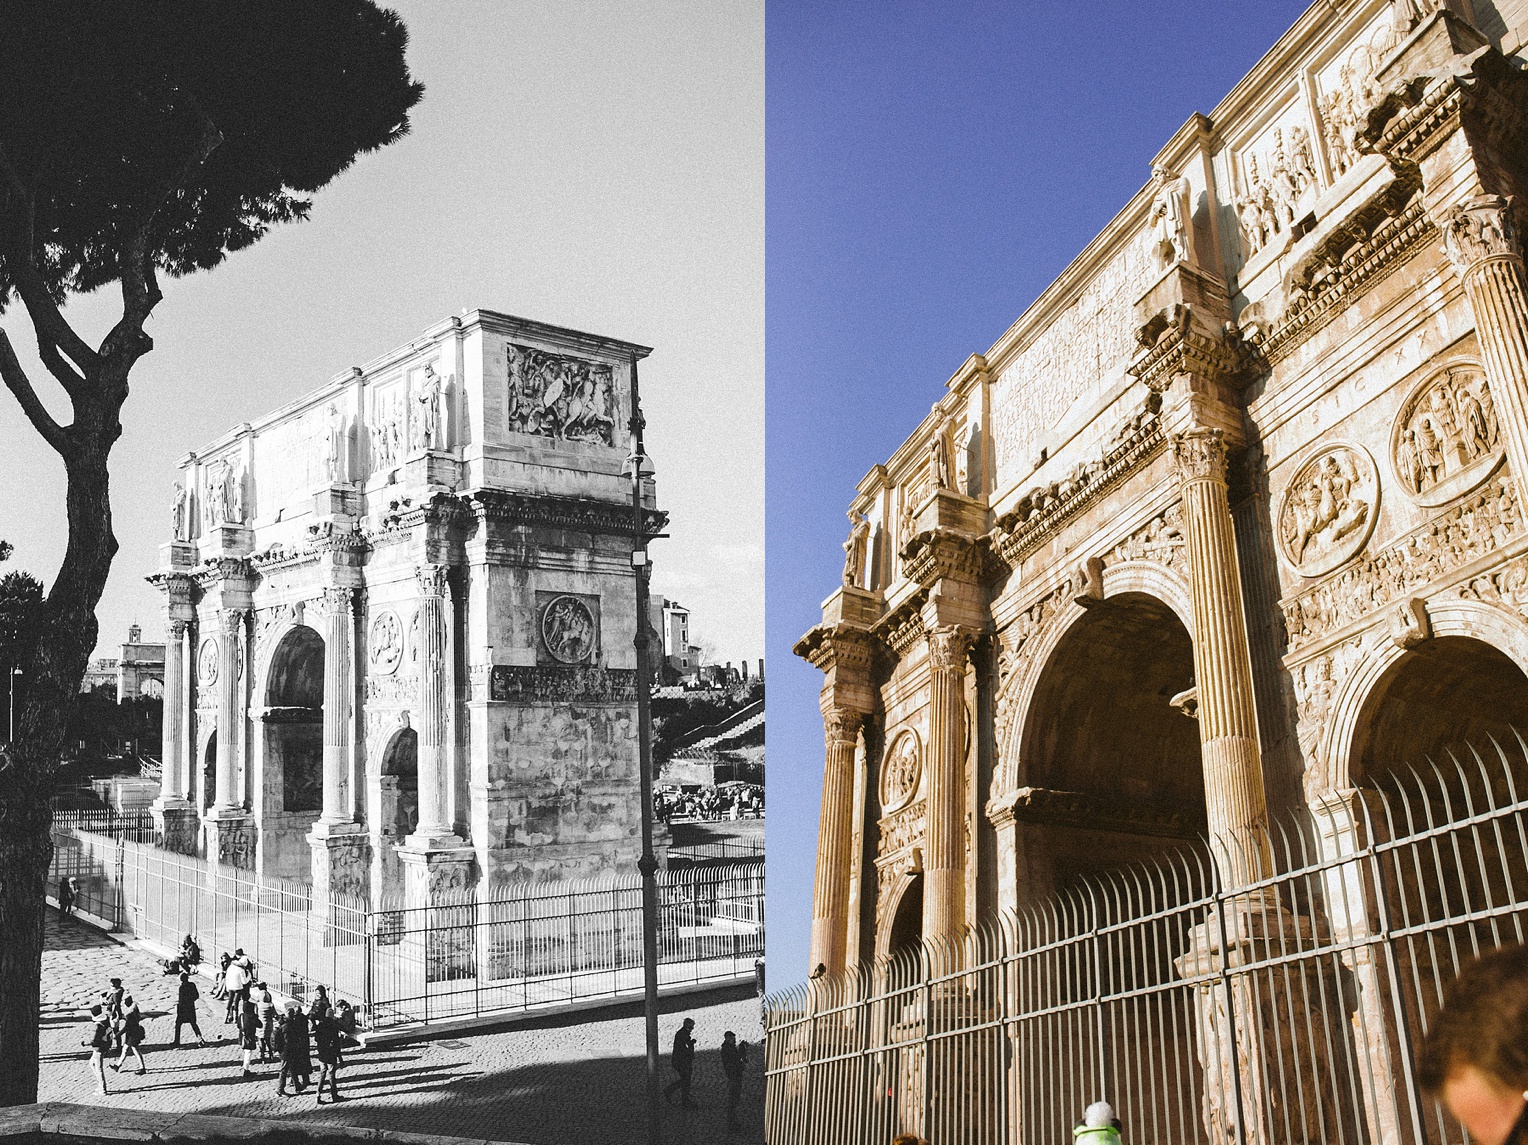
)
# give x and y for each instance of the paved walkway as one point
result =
(554, 1081)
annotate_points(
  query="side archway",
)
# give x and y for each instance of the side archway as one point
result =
(902, 927)
(293, 722)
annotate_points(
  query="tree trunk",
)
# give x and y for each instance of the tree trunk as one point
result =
(52, 670)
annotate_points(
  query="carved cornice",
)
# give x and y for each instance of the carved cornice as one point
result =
(214, 571)
(1200, 455)
(1483, 89)
(1479, 231)
(179, 588)
(1075, 809)
(1175, 345)
(903, 626)
(1040, 512)
(578, 513)
(830, 646)
(943, 554)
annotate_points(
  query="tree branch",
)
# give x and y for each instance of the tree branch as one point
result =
(19, 384)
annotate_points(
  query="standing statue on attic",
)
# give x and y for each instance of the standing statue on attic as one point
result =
(1171, 217)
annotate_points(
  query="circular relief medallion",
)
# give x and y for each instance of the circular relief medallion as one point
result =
(1328, 509)
(207, 662)
(1446, 440)
(386, 643)
(902, 771)
(567, 627)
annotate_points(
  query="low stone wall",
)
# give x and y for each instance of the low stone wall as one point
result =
(57, 1124)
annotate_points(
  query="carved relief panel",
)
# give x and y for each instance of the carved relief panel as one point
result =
(559, 396)
(902, 771)
(567, 628)
(1328, 509)
(386, 643)
(1446, 440)
(1279, 180)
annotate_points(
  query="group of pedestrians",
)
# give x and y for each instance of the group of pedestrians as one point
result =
(734, 1056)
(118, 1030)
(287, 1034)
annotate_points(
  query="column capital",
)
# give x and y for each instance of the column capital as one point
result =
(339, 600)
(432, 579)
(1479, 230)
(949, 645)
(176, 627)
(841, 726)
(1200, 455)
(232, 620)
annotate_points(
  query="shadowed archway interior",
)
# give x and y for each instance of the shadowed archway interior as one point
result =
(1110, 766)
(294, 721)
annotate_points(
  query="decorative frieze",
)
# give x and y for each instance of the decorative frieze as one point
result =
(901, 829)
(576, 513)
(544, 684)
(1465, 533)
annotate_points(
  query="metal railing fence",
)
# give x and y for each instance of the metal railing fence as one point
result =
(1283, 1012)
(481, 952)
(720, 851)
(137, 825)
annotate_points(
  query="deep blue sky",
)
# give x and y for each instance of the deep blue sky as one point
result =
(931, 167)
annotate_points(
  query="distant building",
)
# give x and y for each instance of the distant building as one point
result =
(681, 659)
(137, 671)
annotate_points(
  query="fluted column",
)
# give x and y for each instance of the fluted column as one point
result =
(230, 636)
(1481, 241)
(1233, 770)
(338, 624)
(435, 692)
(173, 770)
(835, 842)
(944, 858)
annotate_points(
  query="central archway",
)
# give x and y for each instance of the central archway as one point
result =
(1111, 767)
(294, 721)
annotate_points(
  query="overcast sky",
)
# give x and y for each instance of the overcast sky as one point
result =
(589, 164)
(932, 168)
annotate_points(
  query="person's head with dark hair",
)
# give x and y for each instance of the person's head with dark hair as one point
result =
(1475, 1057)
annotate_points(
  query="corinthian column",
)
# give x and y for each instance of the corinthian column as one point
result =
(172, 783)
(944, 859)
(835, 842)
(435, 691)
(1233, 767)
(338, 623)
(1481, 241)
(230, 635)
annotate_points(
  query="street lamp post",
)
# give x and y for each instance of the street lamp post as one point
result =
(648, 864)
(15, 675)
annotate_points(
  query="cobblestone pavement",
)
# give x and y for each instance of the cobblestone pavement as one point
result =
(572, 1080)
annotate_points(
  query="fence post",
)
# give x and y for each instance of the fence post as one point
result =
(1226, 985)
(117, 905)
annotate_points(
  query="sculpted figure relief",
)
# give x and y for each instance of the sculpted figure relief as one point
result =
(901, 772)
(854, 548)
(1446, 440)
(1327, 511)
(386, 642)
(567, 627)
(560, 397)
(1171, 217)
(1276, 188)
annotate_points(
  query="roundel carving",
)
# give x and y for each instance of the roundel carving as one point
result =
(567, 627)
(207, 662)
(902, 771)
(1446, 440)
(386, 643)
(1328, 509)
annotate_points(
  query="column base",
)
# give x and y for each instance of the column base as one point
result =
(440, 881)
(230, 839)
(176, 821)
(341, 883)
(432, 839)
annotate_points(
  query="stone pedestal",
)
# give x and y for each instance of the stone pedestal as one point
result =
(177, 556)
(431, 467)
(440, 882)
(176, 821)
(231, 540)
(230, 840)
(337, 501)
(1288, 1079)
(341, 880)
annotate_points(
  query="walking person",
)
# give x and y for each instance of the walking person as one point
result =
(319, 1007)
(100, 1045)
(327, 1046)
(132, 1034)
(185, 1009)
(66, 897)
(682, 1061)
(734, 1058)
(112, 1000)
(249, 1031)
(236, 979)
(265, 1010)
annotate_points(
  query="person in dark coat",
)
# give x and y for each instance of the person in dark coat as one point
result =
(327, 1039)
(265, 1009)
(292, 1042)
(682, 1061)
(66, 898)
(99, 1042)
(185, 1009)
(130, 1033)
(249, 1032)
(734, 1058)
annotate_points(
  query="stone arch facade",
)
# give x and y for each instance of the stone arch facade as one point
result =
(1016, 696)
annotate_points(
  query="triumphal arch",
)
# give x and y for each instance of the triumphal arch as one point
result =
(1227, 524)
(400, 615)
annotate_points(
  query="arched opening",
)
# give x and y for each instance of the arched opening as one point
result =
(1111, 765)
(210, 771)
(294, 721)
(400, 784)
(907, 922)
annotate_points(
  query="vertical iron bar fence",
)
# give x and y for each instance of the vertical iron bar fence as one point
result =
(515, 948)
(1284, 1012)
